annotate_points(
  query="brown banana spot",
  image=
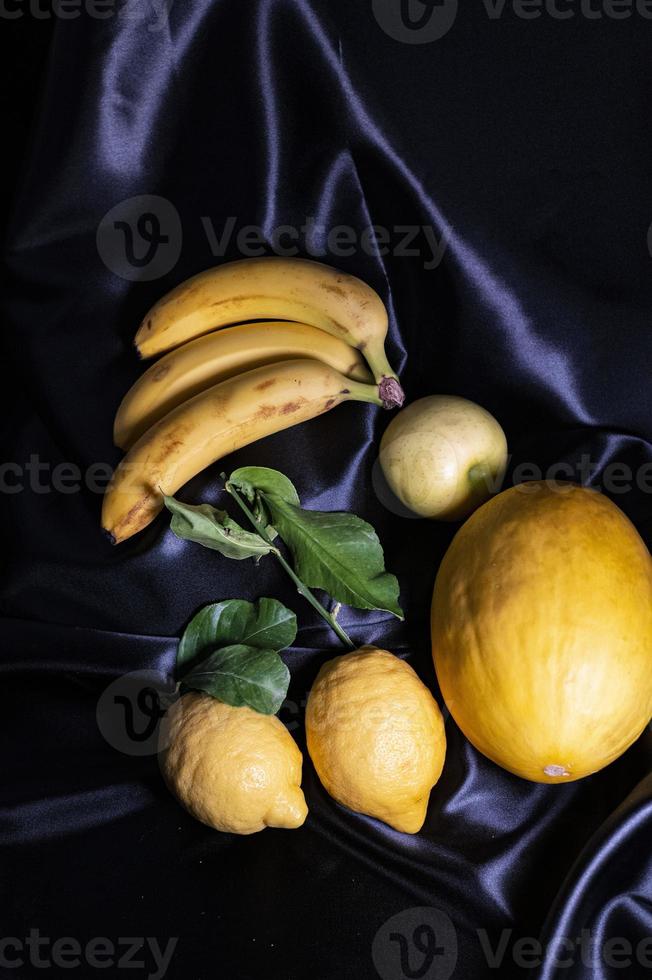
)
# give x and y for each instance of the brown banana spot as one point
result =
(171, 442)
(266, 384)
(265, 412)
(237, 299)
(290, 407)
(335, 290)
(145, 507)
(329, 404)
(160, 372)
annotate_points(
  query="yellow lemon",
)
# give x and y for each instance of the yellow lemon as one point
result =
(376, 737)
(232, 768)
(542, 631)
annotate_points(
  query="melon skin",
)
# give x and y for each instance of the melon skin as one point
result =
(542, 631)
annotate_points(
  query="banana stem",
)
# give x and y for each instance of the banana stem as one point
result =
(389, 388)
(302, 589)
(388, 394)
(358, 391)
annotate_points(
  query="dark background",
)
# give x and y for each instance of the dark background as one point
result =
(531, 143)
(24, 47)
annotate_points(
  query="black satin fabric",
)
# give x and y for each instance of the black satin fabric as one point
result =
(527, 143)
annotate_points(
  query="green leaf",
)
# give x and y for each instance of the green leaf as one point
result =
(260, 513)
(337, 552)
(267, 625)
(214, 529)
(242, 675)
(249, 479)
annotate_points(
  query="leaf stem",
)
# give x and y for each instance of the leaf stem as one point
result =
(302, 589)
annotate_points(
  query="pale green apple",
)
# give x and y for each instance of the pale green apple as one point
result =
(443, 456)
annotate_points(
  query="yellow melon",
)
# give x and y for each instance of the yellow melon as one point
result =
(542, 631)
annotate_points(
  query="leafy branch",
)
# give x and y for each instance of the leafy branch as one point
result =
(333, 551)
(302, 589)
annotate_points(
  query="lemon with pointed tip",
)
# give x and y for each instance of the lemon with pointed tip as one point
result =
(232, 768)
(376, 737)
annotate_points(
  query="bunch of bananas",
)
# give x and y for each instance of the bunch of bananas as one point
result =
(296, 352)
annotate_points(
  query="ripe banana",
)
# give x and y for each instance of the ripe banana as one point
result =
(215, 423)
(275, 288)
(204, 362)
